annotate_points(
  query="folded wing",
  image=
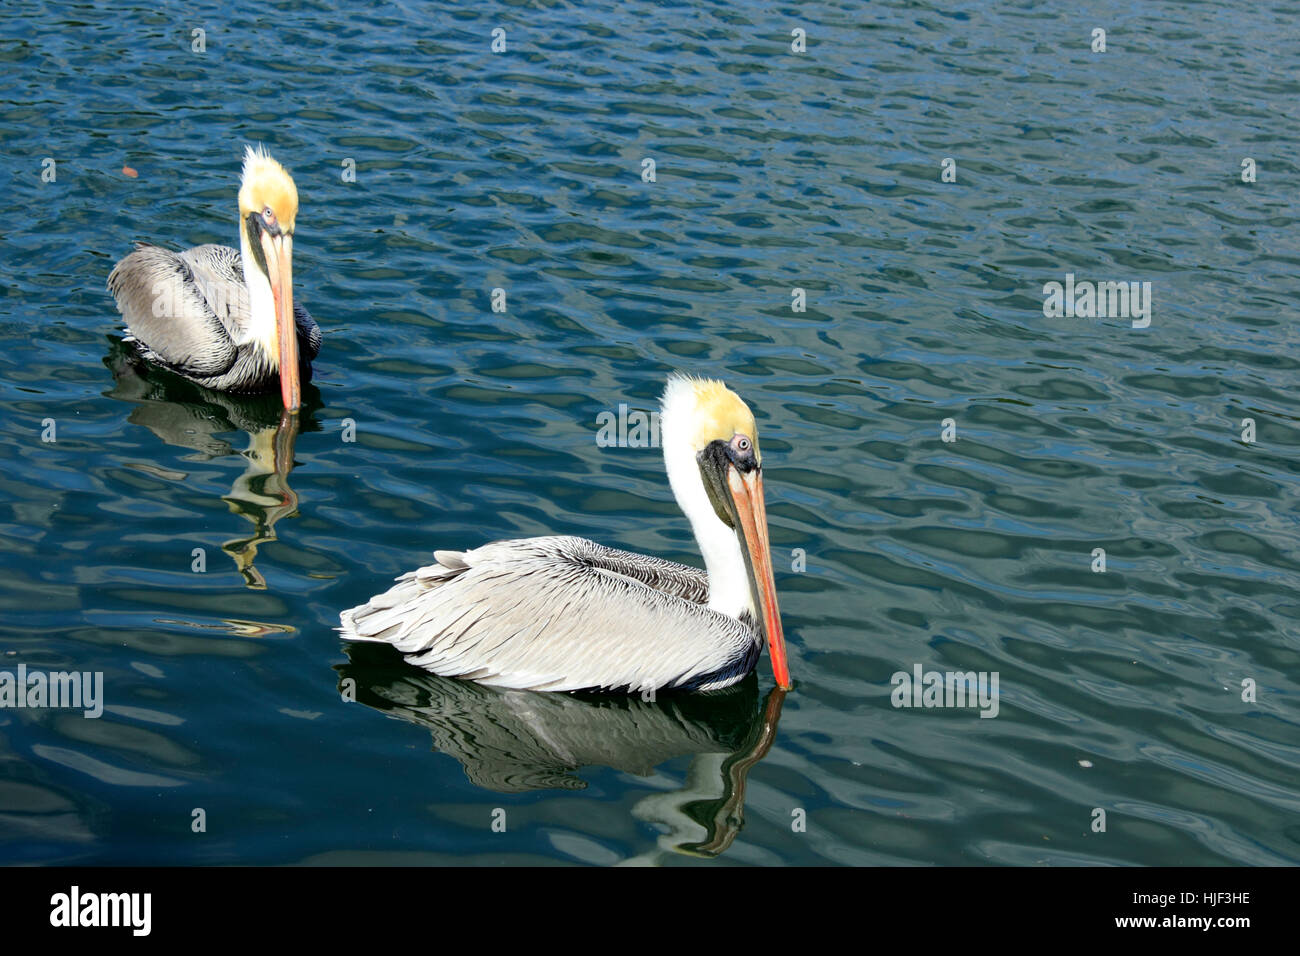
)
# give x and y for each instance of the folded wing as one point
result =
(189, 308)
(182, 306)
(559, 613)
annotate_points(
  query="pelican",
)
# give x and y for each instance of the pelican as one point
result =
(204, 314)
(567, 614)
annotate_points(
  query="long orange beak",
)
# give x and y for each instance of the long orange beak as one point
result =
(747, 492)
(279, 262)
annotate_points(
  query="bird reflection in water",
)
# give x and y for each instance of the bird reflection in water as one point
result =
(187, 415)
(513, 741)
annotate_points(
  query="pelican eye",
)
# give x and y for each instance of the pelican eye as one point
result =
(740, 451)
(268, 214)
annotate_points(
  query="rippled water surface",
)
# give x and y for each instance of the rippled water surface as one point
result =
(224, 690)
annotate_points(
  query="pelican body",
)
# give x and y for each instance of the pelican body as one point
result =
(222, 317)
(567, 614)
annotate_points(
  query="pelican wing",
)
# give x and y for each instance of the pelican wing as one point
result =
(189, 308)
(559, 613)
(308, 334)
(184, 307)
(682, 581)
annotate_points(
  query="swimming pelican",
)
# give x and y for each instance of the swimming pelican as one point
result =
(564, 613)
(202, 314)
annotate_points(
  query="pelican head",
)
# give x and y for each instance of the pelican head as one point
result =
(268, 206)
(711, 452)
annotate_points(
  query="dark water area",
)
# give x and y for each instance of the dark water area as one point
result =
(1162, 690)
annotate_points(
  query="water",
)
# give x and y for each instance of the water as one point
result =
(1119, 691)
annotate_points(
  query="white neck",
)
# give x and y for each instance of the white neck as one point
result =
(729, 591)
(260, 327)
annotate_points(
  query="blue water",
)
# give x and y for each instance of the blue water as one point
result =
(224, 690)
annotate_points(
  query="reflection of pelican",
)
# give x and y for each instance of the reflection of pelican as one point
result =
(189, 416)
(512, 741)
(262, 493)
(221, 317)
(563, 613)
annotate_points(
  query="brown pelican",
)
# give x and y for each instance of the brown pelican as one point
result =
(564, 613)
(203, 314)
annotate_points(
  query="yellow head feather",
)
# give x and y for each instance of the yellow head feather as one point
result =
(266, 183)
(698, 411)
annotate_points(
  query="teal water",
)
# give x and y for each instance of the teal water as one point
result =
(224, 690)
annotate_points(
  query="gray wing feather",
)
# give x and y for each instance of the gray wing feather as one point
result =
(308, 334)
(188, 309)
(558, 613)
(183, 307)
